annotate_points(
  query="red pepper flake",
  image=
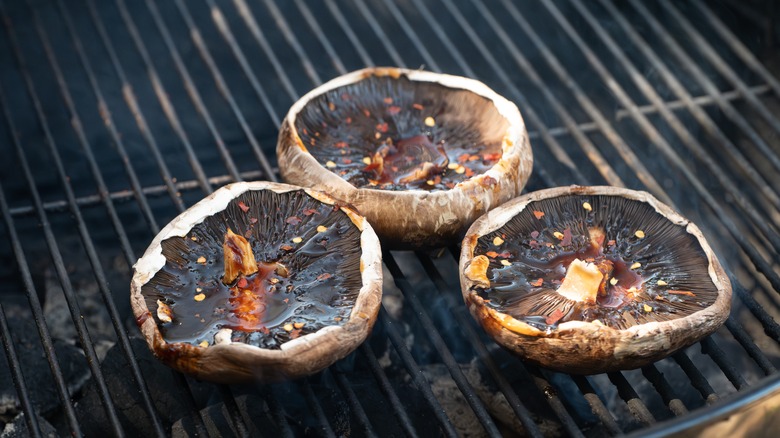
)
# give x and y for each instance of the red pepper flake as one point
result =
(242, 283)
(611, 243)
(331, 106)
(682, 292)
(469, 172)
(491, 254)
(286, 248)
(537, 283)
(554, 317)
(538, 214)
(243, 206)
(534, 234)
(462, 158)
(309, 212)
(295, 334)
(248, 233)
(367, 113)
(348, 120)
(341, 144)
(345, 96)
(505, 254)
(252, 220)
(566, 237)
(382, 127)
(347, 161)
(264, 330)
(286, 301)
(492, 157)
(293, 220)
(393, 110)
(417, 106)
(450, 185)
(388, 100)
(323, 277)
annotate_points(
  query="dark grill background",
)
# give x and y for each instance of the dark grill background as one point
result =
(117, 115)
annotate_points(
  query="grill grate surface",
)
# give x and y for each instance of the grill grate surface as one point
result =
(118, 115)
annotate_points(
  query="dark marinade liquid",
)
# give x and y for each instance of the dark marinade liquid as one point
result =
(258, 306)
(343, 144)
(510, 280)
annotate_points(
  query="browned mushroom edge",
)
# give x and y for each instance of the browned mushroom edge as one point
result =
(230, 362)
(418, 218)
(583, 347)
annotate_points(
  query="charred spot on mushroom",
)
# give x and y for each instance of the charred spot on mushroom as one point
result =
(398, 134)
(304, 270)
(577, 264)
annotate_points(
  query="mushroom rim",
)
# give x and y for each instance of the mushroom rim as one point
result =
(361, 319)
(515, 145)
(499, 216)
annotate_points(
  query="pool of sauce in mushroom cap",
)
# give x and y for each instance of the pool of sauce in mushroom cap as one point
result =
(511, 283)
(348, 143)
(305, 296)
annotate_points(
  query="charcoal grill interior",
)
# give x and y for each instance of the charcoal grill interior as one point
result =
(117, 115)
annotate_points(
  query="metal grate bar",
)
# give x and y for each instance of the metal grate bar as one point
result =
(649, 109)
(354, 404)
(278, 413)
(416, 373)
(103, 195)
(558, 151)
(712, 349)
(752, 349)
(635, 405)
(698, 380)
(189, 85)
(31, 416)
(438, 343)
(601, 411)
(551, 394)
(684, 134)
(314, 405)
(315, 27)
(388, 391)
(224, 89)
(503, 384)
(162, 95)
(722, 67)
(646, 126)
(234, 413)
(665, 390)
(124, 195)
(132, 103)
(478, 42)
(230, 39)
(249, 20)
(59, 266)
(406, 357)
(738, 47)
(87, 240)
(754, 256)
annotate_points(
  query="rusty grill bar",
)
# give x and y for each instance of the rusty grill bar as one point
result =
(118, 115)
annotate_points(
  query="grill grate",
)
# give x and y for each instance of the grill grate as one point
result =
(118, 115)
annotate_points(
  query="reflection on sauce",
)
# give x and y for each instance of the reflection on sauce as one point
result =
(255, 301)
(409, 160)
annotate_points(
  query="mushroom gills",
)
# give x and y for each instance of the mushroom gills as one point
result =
(398, 134)
(578, 264)
(293, 260)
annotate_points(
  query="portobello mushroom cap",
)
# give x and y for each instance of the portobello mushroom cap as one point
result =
(420, 154)
(587, 280)
(258, 282)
